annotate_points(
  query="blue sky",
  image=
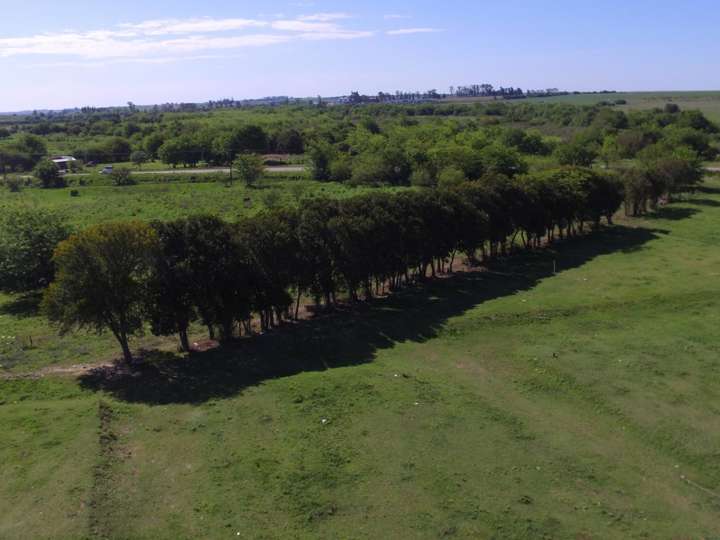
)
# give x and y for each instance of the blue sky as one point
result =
(81, 52)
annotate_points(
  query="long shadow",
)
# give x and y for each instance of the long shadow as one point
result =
(672, 213)
(23, 307)
(352, 336)
(708, 190)
(704, 202)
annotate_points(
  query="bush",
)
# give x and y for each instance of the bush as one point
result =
(14, 185)
(74, 193)
(48, 174)
(27, 241)
(122, 177)
(451, 177)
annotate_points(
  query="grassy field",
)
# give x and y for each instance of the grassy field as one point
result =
(149, 201)
(514, 403)
(707, 102)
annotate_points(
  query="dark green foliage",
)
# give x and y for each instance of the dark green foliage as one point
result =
(289, 141)
(171, 303)
(122, 176)
(47, 172)
(576, 153)
(27, 241)
(249, 168)
(102, 278)
(139, 157)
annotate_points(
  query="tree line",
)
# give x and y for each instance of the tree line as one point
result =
(124, 277)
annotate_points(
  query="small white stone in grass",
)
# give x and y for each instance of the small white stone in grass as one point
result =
(417, 403)
(324, 421)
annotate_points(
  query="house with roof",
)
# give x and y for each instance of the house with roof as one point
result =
(63, 162)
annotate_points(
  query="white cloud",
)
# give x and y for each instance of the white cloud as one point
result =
(168, 37)
(164, 40)
(408, 31)
(395, 16)
(325, 17)
(189, 26)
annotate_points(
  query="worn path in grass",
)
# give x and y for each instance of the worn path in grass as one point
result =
(508, 404)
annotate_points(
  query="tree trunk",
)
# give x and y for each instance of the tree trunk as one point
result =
(184, 342)
(297, 304)
(127, 354)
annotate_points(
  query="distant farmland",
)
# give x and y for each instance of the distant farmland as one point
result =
(707, 102)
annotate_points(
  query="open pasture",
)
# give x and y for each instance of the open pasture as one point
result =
(513, 403)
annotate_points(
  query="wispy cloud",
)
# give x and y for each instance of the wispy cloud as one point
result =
(408, 31)
(189, 26)
(395, 16)
(325, 17)
(163, 40)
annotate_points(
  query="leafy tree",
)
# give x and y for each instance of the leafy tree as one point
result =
(139, 157)
(179, 150)
(250, 168)
(388, 165)
(499, 159)
(102, 280)
(27, 241)
(219, 269)
(121, 176)
(152, 144)
(289, 141)
(171, 301)
(610, 150)
(251, 139)
(13, 159)
(423, 177)
(451, 177)
(341, 168)
(322, 155)
(32, 146)
(637, 189)
(577, 153)
(118, 149)
(47, 172)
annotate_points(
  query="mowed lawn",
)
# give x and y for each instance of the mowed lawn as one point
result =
(515, 403)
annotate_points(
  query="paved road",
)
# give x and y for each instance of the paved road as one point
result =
(274, 169)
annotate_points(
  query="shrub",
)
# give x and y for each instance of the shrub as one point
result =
(27, 241)
(48, 174)
(122, 177)
(14, 185)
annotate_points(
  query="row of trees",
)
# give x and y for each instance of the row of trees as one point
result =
(123, 277)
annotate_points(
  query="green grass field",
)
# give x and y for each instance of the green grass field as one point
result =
(164, 201)
(514, 403)
(707, 102)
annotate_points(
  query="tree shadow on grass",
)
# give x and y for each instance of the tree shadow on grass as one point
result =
(672, 213)
(353, 335)
(24, 306)
(704, 202)
(708, 190)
